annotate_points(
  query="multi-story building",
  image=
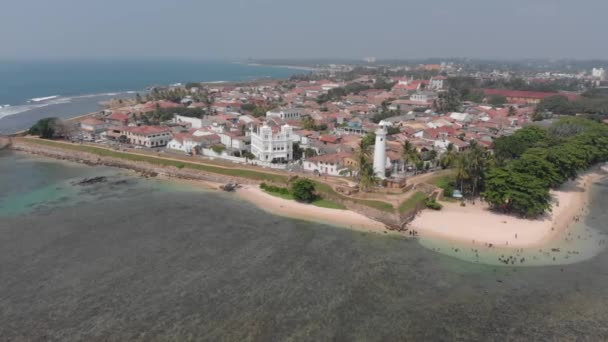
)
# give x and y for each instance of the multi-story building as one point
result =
(598, 73)
(424, 97)
(270, 146)
(284, 114)
(147, 136)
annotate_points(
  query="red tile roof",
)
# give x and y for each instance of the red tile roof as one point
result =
(146, 130)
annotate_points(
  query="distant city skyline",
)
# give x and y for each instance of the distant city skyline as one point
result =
(262, 29)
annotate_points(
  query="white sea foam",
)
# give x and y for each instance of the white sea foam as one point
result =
(9, 110)
(41, 99)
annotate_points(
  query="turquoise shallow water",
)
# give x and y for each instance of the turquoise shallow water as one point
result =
(137, 259)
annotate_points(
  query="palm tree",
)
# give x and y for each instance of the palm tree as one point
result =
(476, 166)
(462, 170)
(448, 158)
(410, 155)
(365, 172)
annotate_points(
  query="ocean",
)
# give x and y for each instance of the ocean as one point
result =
(31, 90)
(146, 259)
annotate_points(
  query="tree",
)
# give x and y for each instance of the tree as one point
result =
(512, 191)
(512, 111)
(449, 157)
(310, 152)
(44, 128)
(365, 171)
(411, 156)
(303, 190)
(298, 152)
(556, 104)
(369, 139)
(513, 146)
(462, 171)
(535, 163)
(449, 101)
(497, 100)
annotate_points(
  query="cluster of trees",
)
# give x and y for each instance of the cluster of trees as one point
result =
(530, 162)
(365, 164)
(51, 128)
(309, 123)
(302, 190)
(547, 86)
(44, 128)
(299, 152)
(337, 94)
(589, 103)
(449, 101)
(471, 166)
(160, 115)
(176, 95)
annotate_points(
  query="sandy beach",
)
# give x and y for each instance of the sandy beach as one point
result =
(476, 224)
(341, 218)
(292, 209)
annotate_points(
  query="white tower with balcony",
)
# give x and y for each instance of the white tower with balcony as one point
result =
(380, 151)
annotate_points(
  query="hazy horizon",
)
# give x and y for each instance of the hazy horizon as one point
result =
(267, 29)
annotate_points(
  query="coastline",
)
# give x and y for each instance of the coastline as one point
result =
(473, 225)
(307, 212)
(477, 225)
(291, 209)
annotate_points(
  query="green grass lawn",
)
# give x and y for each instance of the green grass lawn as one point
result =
(412, 202)
(323, 203)
(383, 206)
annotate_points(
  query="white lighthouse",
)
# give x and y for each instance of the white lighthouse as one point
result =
(380, 151)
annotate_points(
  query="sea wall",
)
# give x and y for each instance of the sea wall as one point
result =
(147, 169)
(141, 167)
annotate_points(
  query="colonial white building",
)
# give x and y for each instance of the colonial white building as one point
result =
(335, 164)
(424, 96)
(148, 136)
(270, 146)
(437, 82)
(286, 113)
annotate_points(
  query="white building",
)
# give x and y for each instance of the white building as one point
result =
(148, 136)
(328, 164)
(424, 96)
(267, 145)
(283, 114)
(380, 151)
(194, 122)
(438, 82)
(598, 73)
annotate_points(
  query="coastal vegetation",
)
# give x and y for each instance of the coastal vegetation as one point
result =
(412, 202)
(593, 102)
(46, 128)
(534, 160)
(301, 190)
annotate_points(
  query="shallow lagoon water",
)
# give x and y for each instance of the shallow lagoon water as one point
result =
(146, 260)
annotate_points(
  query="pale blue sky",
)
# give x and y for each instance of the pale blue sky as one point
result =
(304, 29)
